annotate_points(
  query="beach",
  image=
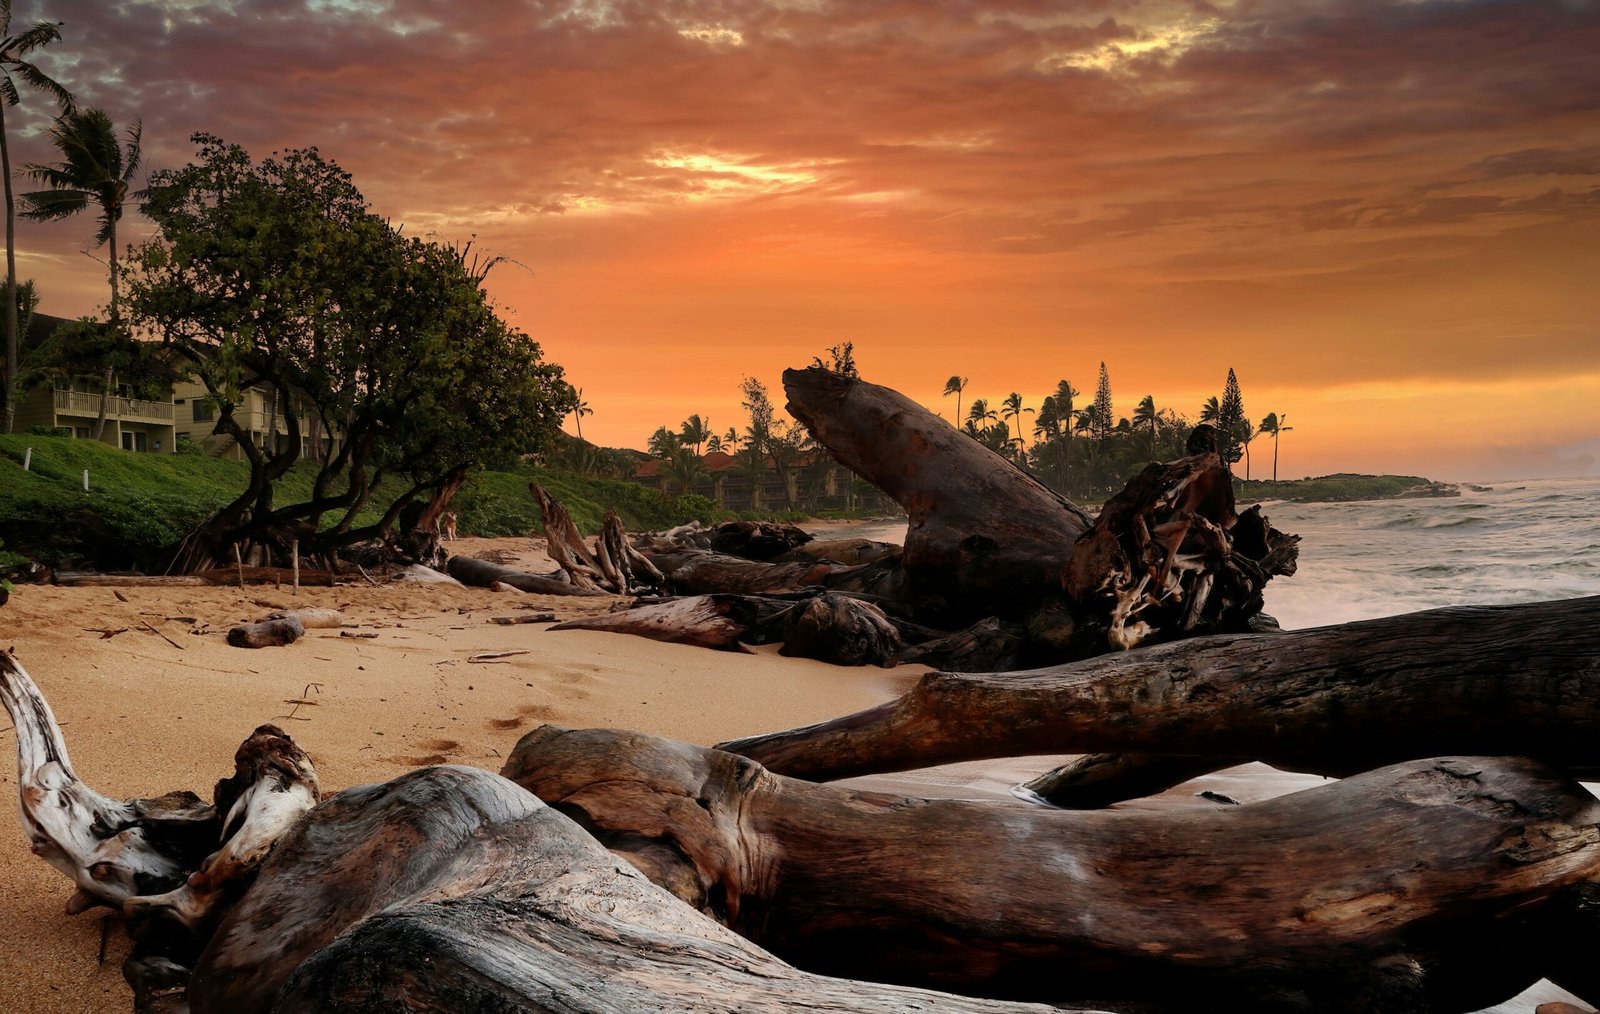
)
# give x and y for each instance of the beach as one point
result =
(143, 716)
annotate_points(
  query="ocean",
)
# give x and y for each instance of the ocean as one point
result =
(1520, 541)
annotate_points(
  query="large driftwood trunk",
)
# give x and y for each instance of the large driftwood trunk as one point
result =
(984, 537)
(483, 574)
(452, 889)
(1266, 905)
(1519, 680)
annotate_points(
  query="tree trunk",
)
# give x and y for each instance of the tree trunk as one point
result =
(840, 630)
(509, 907)
(723, 622)
(482, 574)
(1267, 905)
(985, 538)
(267, 633)
(1097, 780)
(12, 325)
(1521, 680)
(109, 377)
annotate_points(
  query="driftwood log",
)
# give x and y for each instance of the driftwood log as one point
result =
(988, 548)
(452, 889)
(1511, 680)
(1468, 883)
(267, 633)
(483, 574)
(984, 537)
(447, 889)
(723, 622)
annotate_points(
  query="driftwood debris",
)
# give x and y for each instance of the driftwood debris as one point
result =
(267, 633)
(723, 622)
(511, 907)
(447, 889)
(841, 630)
(483, 574)
(323, 619)
(1504, 680)
(1267, 905)
(1012, 571)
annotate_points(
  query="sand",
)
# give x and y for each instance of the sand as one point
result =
(142, 717)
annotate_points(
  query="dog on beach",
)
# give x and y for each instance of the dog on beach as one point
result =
(447, 525)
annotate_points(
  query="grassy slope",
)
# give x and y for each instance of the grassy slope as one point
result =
(138, 504)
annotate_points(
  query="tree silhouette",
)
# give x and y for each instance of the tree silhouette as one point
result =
(580, 410)
(1147, 416)
(14, 65)
(694, 431)
(955, 385)
(1014, 410)
(1273, 426)
(1231, 422)
(1101, 409)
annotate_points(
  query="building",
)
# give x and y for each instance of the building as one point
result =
(256, 413)
(72, 406)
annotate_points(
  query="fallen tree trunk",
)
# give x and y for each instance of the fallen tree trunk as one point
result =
(451, 889)
(984, 537)
(1266, 905)
(483, 574)
(1097, 780)
(723, 622)
(1522, 680)
(840, 630)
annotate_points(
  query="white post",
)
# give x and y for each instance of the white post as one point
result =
(86, 480)
(294, 552)
(27, 459)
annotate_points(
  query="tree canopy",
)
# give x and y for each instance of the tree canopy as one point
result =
(275, 274)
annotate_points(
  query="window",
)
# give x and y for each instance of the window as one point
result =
(135, 440)
(203, 410)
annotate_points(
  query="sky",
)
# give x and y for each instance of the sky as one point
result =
(1382, 215)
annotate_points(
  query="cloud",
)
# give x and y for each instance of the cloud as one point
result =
(1396, 183)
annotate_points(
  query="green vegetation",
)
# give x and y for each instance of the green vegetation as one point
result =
(276, 274)
(140, 506)
(1331, 488)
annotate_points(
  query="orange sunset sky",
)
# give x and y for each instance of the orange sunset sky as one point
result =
(1383, 215)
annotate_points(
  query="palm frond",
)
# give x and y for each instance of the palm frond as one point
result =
(5, 16)
(41, 34)
(49, 205)
(43, 82)
(8, 89)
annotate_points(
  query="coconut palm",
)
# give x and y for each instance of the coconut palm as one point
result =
(684, 467)
(96, 170)
(713, 443)
(955, 385)
(14, 65)
(580, 409)
(1147, 416)
(664, 443)
(1273, 426)
(980, 413)
(1013, 410)
(694, 432)
(1211, 411)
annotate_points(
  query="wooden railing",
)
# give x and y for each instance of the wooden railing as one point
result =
(82, 403)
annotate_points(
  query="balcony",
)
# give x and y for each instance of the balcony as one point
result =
(80, 403)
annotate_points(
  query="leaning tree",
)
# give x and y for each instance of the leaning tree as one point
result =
(276, 275)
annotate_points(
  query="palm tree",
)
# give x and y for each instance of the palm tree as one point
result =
(1146, 415)
(955, 385)
(579, 410)
(1014, 410)
(694, 431)
(95, 170)
(713, 444)
(1211, 412)
(13, 51)
(979, 414)
(664, 443)
(685, 468)
(1273, 426)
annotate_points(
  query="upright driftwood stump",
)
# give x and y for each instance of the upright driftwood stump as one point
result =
(1443, 884)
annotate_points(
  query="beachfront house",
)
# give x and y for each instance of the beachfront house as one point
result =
(257, 413)
(69, 404)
